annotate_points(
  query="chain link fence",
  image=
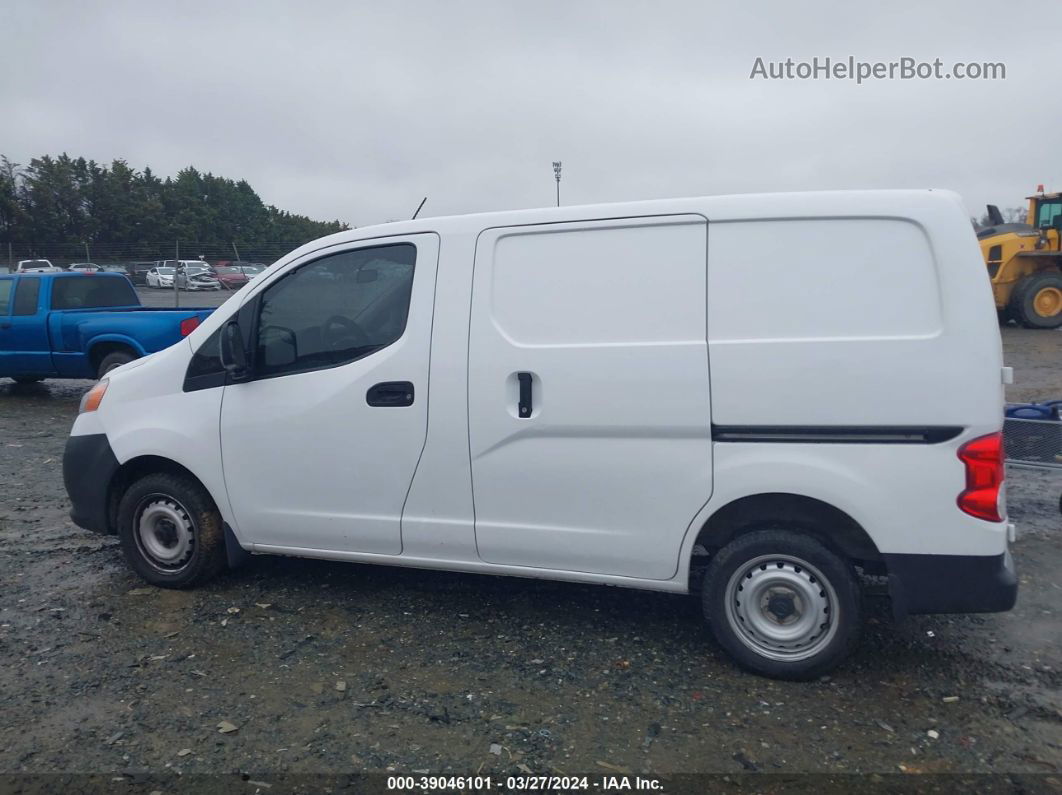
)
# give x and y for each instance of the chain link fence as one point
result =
(63, 254)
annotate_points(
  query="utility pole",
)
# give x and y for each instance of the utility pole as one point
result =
(87, 257)
(236, 251)
(556, 173)
(176, 264)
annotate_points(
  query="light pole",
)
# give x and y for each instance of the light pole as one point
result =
(556, 173)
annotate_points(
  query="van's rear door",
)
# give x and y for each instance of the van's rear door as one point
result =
(589, 415)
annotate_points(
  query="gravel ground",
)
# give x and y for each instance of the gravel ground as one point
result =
(335, 668)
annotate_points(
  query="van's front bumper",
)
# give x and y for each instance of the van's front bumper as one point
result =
(951, 583)
(89, 466)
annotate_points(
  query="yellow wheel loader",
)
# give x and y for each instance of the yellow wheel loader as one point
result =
(1025, 262)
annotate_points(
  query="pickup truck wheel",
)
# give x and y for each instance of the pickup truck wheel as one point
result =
(171, 532)
(112, 360)
(782, 605)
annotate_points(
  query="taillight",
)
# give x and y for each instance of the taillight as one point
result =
(983, 458)
(188, 325)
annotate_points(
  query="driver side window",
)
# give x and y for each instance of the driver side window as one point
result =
(335, 310)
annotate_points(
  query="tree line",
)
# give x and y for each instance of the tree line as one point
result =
(71, 202)
(1011, 215)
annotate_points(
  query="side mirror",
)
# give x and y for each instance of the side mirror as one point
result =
(278, 347)
(366, 275)
(233, 352)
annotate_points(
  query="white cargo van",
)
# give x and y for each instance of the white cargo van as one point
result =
(760, 399)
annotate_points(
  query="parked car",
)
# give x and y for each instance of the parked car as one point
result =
(251, 270)
(138, 271)
(194, 264)
(626, 394)
(80, 325)
(192, 278)
(231, 278)
(160, 277)
(37, 266)
(84, 267)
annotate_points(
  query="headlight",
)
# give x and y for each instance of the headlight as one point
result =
(92, 399)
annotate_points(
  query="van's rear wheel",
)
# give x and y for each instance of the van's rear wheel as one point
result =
(782, 604)
(1036, 301)
(171, 531)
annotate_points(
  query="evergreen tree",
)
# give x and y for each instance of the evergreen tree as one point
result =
(64, 202)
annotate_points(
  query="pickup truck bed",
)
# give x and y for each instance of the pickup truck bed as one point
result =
(80, 325)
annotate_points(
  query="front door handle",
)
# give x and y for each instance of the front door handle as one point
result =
(390, 393)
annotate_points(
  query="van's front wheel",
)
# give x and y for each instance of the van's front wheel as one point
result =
(171, 532)
(782, 604)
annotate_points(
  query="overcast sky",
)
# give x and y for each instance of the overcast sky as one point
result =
(357, 110)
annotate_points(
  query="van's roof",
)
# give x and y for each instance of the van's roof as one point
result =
(815, 204)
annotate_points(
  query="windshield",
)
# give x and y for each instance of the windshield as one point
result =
(195, 268)
(84, 292)
(223, 271)
(252, 268)
(166, 271)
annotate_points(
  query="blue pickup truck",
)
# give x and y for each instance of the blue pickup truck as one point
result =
(80, 325)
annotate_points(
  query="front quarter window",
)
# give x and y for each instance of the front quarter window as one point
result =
(335, 310)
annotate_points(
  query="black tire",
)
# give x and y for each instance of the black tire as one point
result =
(1024, 300)
(27, 379)
(811, 568)
(112, 360)
(198, 547)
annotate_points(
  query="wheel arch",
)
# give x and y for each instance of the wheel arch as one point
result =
(831, 526)
(135, 468)
(100, 347)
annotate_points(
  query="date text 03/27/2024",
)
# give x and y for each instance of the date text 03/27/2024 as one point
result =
(528, 783)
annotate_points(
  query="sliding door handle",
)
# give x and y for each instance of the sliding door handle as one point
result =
(525, 405)
(390, 393)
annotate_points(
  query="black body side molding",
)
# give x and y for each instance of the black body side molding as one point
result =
(835, 434)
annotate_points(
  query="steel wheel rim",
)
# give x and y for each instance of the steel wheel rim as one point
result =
(782, 608)
(164, 533)
(1048, 301)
